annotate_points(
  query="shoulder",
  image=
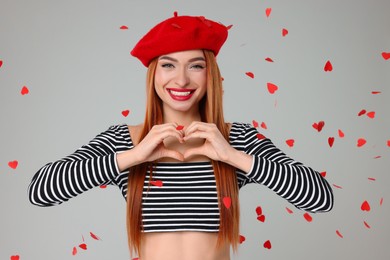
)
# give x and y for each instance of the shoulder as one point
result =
(239, 128)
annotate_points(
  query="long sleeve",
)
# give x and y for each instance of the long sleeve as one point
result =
(90, 166)
(302, 186)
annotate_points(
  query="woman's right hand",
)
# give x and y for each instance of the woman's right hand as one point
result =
(152, 147)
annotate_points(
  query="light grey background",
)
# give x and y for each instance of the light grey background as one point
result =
(75, 61)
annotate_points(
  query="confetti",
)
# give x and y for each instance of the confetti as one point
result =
(371, 114)
(229, 27)
(377, 157)
(179, 127)
(318, 126)
(103, 186)
(289, 211)
(362, 112)
(268, 11)
(388, 143)
(328, 66)
(339, 234)
(83, 246)
(227, 201)
(284, 32)
(386, 55)
(323, 174)
(260, 136)
(250, 74)
(366, 224)
(15, 257)
(272, 88)
(123, 27)
(255, 124)
(269, 59)
(157, 183)
(267, 244)
(260, 216)
(376, 92)
(241, 239)
(290, 142)
(308, 217)
(371, 179)
(74, 251)
(341, 133)
(361, 142)
(337, 186)
(13, 164)
(1, 63)
(24, 91)
(125, 113)
(263, 125)
(381, 202)
(365, 206)
(331, 141)
(94, 236)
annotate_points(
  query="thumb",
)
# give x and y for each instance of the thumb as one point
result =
(172, 154)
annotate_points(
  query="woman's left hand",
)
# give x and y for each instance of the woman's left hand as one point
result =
(215, 146)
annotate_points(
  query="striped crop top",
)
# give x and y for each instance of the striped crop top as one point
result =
(182, 195)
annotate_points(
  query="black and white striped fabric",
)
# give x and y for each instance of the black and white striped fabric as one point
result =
(181, 196)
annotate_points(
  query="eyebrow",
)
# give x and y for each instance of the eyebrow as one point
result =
(175, 60)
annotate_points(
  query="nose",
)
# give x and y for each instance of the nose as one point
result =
(182, 79)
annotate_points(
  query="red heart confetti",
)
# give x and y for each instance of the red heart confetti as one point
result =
(386, 55)
(361, 142)
(255, 124)
(269, 59)
(74, 251)
(272, 88)
(13, 164)
(157, 183)
(263, 125)
(179, 127)
(328, 66)
(341, 133)
(308, 217)
(241, 239)
(261, 218)
(83, 246)
(381, 202)
(289, 211)
(227, 201)
(371, 179)
(103, 186)
(94, 236)
(123, 27)
(337, 186)
(323, 174)
(268, 11)
(259, 210)
(377, 157)
(284, 32)
(371, 114)
(125, 113)
(366, 224)
(15, 257)
(388, 143)
(365, 206)
(331, 141)
(318, 126)
(339, 234)
(267, 244)
(290, 142)
(250, 74)
(375, 92)
(24, 91)
(362, 112)
(260, 136)
(1, 63)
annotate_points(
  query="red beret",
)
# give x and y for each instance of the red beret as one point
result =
(180, 33)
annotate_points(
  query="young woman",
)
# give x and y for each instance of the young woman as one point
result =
(181, 170)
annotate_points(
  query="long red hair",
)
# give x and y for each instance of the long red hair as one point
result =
(211, 111)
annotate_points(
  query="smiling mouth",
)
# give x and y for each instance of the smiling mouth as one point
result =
(181, 94)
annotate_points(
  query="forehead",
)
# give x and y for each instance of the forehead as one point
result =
(184, 55)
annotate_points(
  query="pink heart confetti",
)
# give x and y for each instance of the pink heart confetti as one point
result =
(13, 164)
(328, 66)
(272, 88)
(339, 234)
(24, 91)
(227, 201)
(337, 186)
(250, 74)
(371, 179)
(381, 202)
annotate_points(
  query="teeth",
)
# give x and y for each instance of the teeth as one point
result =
(182, 94)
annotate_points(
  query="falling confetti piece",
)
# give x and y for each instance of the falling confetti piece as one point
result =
(125, 113)
(267, 244)
(339, 234)
(371, 179)
(24, 91)
(268, 12)
(376, 92)
(260, 136)
(365, 206)
(261, 218)
(259, 210)
(227, 201)
(179, 127)
(250, 74)
(371, 114)
(157, 183)
(318, 126)
(263, 125)
(272, 88)
(308, 217)
(229, 27)
(328, 66)
(1, 63)
(74, 251)
(83, 246)
(269, 59)
(123, 27)
(289, 211)
(388, 143)
(361, 142)
(381, 202)
(13, 164)
(255, 124)
(386, 55)
(362, 112)
(323, 174)
(284, 32)
(337, 186)
(15, 257)
(366, 224)
(94, 236)
(103, 186)
(331, 141)
(377, 157)
(341, 133)
(290, 142)
(241, 239)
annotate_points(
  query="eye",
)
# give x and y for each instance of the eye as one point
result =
(197, 66)
(167, 65)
